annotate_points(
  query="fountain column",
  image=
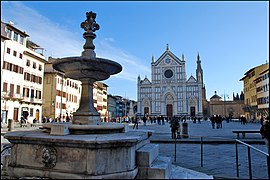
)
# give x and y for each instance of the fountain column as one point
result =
(87, 113)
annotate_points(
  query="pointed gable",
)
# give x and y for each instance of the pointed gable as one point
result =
(191, 79)
(168, 54)
(145, 81)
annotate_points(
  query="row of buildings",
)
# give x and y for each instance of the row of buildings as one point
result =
(30, 87)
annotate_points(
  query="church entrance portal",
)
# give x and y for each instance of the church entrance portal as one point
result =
(146, 111)
(192, 111)
(169, 110)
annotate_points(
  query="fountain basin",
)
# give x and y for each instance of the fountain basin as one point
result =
(84, 67)
(103, 128)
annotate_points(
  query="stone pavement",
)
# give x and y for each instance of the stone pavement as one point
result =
(218, 149)
(218, 156)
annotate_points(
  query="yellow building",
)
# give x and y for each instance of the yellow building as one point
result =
(262, 89)
(250, 91)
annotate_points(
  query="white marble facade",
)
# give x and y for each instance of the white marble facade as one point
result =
(170, 93)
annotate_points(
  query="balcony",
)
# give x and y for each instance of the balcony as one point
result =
(18, 97)
(6, 95)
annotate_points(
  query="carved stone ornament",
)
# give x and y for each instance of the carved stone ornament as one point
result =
(49, 156)
(90, 23)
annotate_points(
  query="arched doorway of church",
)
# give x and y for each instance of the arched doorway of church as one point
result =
(146, 111)
(169, 112)
(192, 111)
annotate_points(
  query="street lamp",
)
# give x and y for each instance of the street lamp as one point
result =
(224, 100)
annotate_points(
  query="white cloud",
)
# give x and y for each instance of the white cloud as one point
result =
(132, 66)
(61, 42)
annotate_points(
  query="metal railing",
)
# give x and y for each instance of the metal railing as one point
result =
(249, 158)
(236, 147)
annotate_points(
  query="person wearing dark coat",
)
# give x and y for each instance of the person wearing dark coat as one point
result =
(265, 132)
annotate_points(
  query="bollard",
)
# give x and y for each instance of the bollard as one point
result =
(184, 130)
(10, 124)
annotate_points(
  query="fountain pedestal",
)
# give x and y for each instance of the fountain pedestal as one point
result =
(37, 154)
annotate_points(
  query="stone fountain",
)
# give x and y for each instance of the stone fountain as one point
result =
(86, 148)
(87, 68)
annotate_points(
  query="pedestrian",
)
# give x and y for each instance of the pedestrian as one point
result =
(261, 120)
(151, 120)
(67, 118)
(174, 125)
(22, 122)
(265, 132)
(1, 122)
(212, 119)
(158, 120)
(136, 123)
(34, 122)
(162, 120)
(44, 119)
(220, 121)
(144, 120)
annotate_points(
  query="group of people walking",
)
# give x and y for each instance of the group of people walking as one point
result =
(216, 121)
(159, 119)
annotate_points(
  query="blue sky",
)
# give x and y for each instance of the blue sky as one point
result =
(231, 37)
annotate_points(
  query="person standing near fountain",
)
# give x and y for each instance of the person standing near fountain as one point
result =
(136, 123)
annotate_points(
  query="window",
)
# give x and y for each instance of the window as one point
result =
(34, 65)
(23, 92)
(20, 56)
(28, 63)
(28, 77)
(15, 68)
(21, 40)
(10, 66)
(40, 80)
(15, 53)
(9, 33)
(5, 65)
(27, 92)
(8, 50)
(39, 67)
(32, 77)
(31, 112)
(15, 37)
(21, 70)
(5, 87)
(18, 89)
(32, 93)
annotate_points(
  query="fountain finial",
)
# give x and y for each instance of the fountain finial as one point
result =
(90, 26)
(90, 23)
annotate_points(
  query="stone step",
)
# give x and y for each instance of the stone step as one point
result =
(147, 154)
(159, 169)
(179, 172)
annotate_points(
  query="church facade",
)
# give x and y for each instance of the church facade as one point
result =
(169, 93)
